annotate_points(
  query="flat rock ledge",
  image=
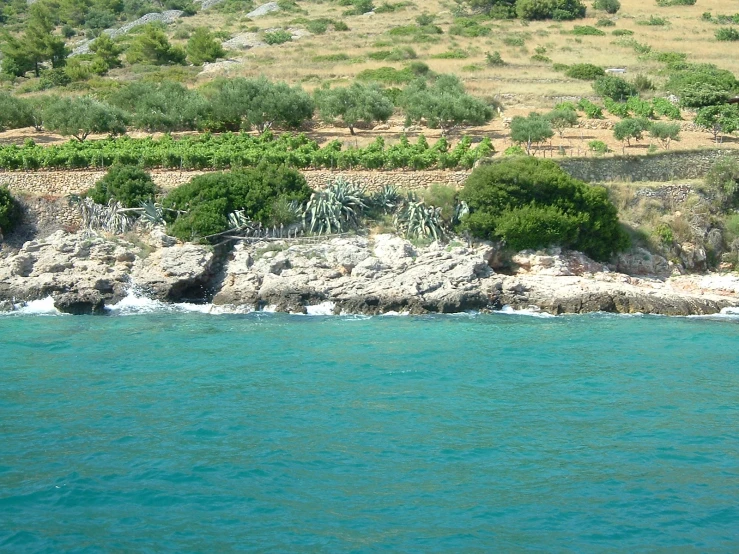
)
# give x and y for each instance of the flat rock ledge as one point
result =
(362, 275)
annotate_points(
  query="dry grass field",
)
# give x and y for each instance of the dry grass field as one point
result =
(522, 85)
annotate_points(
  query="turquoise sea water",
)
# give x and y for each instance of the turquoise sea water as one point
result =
(200, 433)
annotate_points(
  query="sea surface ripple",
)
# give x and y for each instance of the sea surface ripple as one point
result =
(261, 432)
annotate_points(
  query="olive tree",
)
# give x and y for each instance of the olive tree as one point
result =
(719, 119)
(630, 128)
(530, 130)
(259, 103)
(81, 116)
(665, 132)
(354, 104)
(444, 104)
(562, 119)
(166, 106)
(14, 112)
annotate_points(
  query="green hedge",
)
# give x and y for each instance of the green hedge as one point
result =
(9, 211)
(237, 150)
(533, 203)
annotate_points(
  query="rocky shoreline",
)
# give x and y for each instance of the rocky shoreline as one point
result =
(86, 273)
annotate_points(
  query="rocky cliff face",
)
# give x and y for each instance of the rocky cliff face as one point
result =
(365, 275)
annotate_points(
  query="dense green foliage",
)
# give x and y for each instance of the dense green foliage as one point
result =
(209, 199)
(79, 117)
(719, 119)
(241, 103)
(585, 71)
(9, 211)
(723, 177)
(152, 46)
(128, 184)
(700, 85)
(37, 45)
(444, 104)
(203, 47)
(241, 150)
(354, 104)
(615, 88)
(14, 112)
(630, 128)
(166, 106)
(530, 130)
(608, 6)
(533, 203)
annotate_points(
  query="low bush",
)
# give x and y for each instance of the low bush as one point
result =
(598, 147)
(605, 23)
(587, 30)
(663, 107)
(608, 6)
(622, 32)
(727, 34)
(533, 203)
(494, 59)
(9, 211)
(723, 177)
(130, 185)
(592, 111)
(585, 71)
(208, 200)
(615, 88)
(642, 83)
(279, 36)
(653, 21)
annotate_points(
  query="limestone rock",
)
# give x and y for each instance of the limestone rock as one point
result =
(264, 9)
(175, 273)
(87, 302)
(639, 261)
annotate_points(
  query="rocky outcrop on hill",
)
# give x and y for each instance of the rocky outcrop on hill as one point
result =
(351, 274)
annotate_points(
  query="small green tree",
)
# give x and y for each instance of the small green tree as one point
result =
(615, 88)
(166, 106)
(562, 119)
(530, 130)
(203, 47)
(354, 104)
(259, 103)
(444, 104)
(585, 71)
(719, 119)
(127, 184)
(107, 51)
(152, 46)
(14, 112)
(37, 45)
(630, 128)
(81, 116)
(665, 132)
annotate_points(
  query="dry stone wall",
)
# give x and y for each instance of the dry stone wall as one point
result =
(665, 166)
(64, 183)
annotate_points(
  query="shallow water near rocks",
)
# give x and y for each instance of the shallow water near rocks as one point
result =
(477, 433)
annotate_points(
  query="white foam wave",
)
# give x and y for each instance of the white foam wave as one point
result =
(324, 308)
(137, 304)
(45, 306)
(532, 311)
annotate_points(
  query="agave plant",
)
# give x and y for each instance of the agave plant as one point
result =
(152, 212)
(417, 220)
(112, 217)
(387, 199)
(334, 209)
(460, 210)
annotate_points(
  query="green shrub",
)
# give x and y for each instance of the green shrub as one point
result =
(560, 10)
(533, 203)
(642, 83)
(605, 23)
(468, 27)
(622, 32)
(727, 34)
(127, 184)
(667, 3)
(209, 199)
(723, 177)
(455, 54)
(612, 87)
(541, 58)
(10, 212)
(388, 75)
(592, 111)
(619, 109)
(279, 36)
(663, 107)
(640, 108)
(585, 71)
(443, 197)
(494, 59)
(587, 30)
(653, 21)
(598, 147)
(665, 132)
(608, 6)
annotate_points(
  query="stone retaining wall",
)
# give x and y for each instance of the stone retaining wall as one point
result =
(63, 183)
(665, 166)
